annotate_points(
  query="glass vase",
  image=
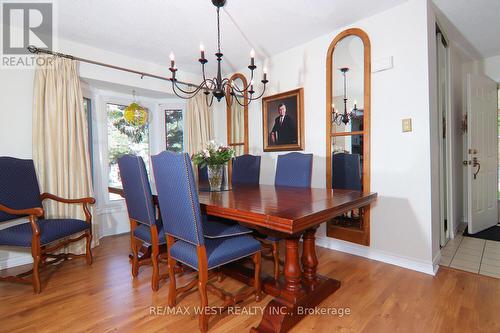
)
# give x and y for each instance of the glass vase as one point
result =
(215, 174)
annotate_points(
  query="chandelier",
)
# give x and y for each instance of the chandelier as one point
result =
(218, 86)
(339, 118)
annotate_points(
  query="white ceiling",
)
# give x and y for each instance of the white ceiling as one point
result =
(477, 20)
(151, 29)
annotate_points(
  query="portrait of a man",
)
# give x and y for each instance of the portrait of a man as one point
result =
(283, 121)
(284, 130)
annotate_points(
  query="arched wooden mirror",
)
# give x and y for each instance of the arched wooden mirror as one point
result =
(348, 128)
(237, 117)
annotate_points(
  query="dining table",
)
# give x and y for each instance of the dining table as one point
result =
(292, 214)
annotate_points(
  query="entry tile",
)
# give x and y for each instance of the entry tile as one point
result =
(465, 265)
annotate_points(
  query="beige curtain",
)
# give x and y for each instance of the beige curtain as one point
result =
(60, 140)
(198, 124)
(237, 127)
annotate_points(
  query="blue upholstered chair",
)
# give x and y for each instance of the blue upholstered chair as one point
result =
(346, 175)
(293, 169)
(246, 170)
(20, 197)
(182, 223)
(346, 172)
(216, 227)
(145, 227)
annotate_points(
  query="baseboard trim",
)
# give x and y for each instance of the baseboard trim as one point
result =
(15, 261)
(430, 268)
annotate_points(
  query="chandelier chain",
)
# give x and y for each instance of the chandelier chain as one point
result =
(218, 30)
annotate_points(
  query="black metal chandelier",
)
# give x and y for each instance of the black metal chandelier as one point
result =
(217, 86)
(339, 118)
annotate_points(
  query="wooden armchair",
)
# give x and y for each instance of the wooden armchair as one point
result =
(20, 197)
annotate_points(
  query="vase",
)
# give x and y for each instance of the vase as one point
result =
(215, 174)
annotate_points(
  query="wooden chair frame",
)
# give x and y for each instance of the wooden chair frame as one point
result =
(41, 253)
(204, 285)
(154, 259)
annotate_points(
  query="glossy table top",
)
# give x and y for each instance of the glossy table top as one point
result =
(283, 209)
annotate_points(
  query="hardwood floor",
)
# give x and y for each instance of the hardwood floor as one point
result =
(381, 298)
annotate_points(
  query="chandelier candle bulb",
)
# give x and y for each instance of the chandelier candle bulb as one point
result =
(172, 60)
(264, 76)
(202, 51)
(252, 57)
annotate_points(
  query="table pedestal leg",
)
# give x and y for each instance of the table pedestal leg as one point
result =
(309, 259)
(284, 311)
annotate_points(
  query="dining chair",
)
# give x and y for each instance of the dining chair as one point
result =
(292, 169)
(346, 175)
(20, 197)
(246, 170)
(145, 226)
(216, 227)
(186, 243)
(346, 172)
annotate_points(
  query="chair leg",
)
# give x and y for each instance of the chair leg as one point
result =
(88, 250)
(172, 288)
(35, 252)
(257, 282)
(276, 256)
(135, 260)
(155, 285)
(202, 287)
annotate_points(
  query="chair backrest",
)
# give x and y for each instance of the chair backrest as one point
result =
(18, 186)
(346, 172)
(294, 169)
(202, 176)
(137, 189)
(246, 169)
(178, 197)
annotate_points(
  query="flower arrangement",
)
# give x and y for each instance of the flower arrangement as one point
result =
(213, 154)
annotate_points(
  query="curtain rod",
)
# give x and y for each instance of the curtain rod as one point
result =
(36, 50)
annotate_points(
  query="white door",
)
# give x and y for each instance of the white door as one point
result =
(482, 152)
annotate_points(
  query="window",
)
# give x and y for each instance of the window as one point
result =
(174, 130)
(87, 108)
(124, 138)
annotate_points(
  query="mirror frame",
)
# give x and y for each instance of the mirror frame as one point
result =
(229, 113)
(360, 236)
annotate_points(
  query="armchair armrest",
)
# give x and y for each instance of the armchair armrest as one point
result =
(44, 196)
(35, 211)
(83, 201)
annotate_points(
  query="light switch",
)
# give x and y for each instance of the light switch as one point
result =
(406, 125)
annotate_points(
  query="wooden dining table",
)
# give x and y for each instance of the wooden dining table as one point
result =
(291, 214)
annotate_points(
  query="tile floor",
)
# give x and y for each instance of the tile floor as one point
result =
(473, 255)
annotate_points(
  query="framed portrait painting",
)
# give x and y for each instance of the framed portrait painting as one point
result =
(283, 121)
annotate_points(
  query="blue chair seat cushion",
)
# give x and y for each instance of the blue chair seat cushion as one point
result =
(220, 251)
(50, 231)
(143, 232)
(217, 228)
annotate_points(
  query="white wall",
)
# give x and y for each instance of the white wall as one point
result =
(400, 162)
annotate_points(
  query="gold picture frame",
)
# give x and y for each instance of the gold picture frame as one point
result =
(283, 121)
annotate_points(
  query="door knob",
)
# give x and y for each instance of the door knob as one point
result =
(475, 163)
